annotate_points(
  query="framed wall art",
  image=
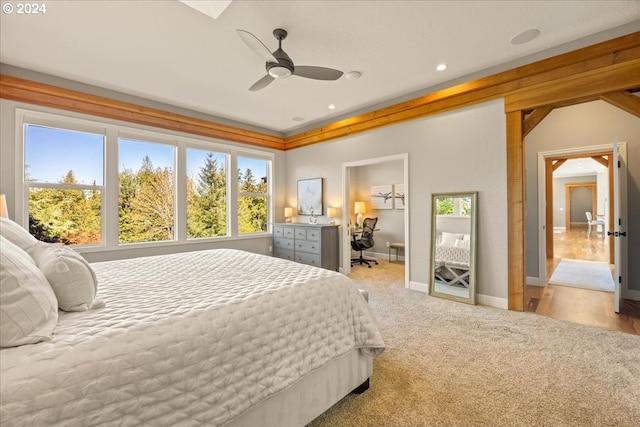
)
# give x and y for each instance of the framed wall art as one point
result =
(399, 196)
(381, 197)
(310, 197)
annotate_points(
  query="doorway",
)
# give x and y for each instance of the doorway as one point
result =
(348, 172)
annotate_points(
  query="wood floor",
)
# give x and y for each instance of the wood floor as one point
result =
(582, 306)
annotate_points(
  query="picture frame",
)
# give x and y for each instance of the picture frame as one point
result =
(381, 196)
(310, 197)
(399, 196)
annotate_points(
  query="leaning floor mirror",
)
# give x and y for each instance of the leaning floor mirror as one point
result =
(453, 246)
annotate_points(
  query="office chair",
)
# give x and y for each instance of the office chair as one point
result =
(364, 242)
(595, 222)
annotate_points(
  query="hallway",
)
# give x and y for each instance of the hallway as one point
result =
(582, 306)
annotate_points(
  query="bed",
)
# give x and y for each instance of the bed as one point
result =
(218, 337)
(452, 262)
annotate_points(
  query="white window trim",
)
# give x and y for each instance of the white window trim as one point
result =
(110, 188)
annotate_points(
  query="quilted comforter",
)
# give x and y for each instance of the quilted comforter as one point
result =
(186, 339)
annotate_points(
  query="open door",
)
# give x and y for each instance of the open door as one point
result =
(620, 221)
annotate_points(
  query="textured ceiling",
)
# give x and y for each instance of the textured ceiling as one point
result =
(171, 53)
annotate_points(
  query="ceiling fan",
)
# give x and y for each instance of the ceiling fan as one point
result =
(278, 63)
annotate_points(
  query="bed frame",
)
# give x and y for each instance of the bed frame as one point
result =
(312, 395)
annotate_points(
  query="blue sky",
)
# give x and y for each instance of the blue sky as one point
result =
(50, 153)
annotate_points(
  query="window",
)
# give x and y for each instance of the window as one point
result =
(252, 195)
(105, 186)
(458, 206)
(206, 194)
(146, 199)
(64, 173)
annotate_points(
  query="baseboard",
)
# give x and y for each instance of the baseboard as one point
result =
(418, 286)
(385, 256)
(535, 281)
(491, 301)
(632, 295)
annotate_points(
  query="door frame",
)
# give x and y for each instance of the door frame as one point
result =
(545, 192)
(346, 210)
(567, 197)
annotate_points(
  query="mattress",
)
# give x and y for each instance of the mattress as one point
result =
(186, 339)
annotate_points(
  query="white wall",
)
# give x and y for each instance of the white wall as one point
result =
(458, 151)
(584, 125)
(390, 221)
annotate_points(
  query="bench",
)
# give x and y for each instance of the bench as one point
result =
(398, 247)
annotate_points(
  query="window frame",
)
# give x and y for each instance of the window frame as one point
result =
(114, 130)
(267, 194)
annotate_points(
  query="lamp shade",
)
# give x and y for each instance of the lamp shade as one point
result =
(332, 212)
(359, 208)
(288, 212)
(4, 212)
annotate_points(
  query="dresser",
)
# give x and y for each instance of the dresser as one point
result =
(313, 244)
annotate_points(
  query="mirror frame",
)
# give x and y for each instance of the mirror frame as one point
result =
(472, 246)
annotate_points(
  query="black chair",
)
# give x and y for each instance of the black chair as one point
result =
(364, 242)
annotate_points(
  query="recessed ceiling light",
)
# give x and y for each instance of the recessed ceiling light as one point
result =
(353, 75)
(298, 119)
(332, 107)
(441, 67)
(525, 36)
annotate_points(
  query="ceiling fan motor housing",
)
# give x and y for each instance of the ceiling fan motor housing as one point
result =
(284, 68)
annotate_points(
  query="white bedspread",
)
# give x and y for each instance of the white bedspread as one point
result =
(186, 339)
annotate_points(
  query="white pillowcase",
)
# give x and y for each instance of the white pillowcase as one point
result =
(70, 275)
(463, 243)
(449, 239)
(13, 232)
(28, 305)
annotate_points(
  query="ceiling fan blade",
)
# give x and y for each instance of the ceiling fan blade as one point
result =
(257, 46)
(317, 73)
(262, 83)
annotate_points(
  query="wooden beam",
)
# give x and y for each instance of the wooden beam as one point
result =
(533, 119)
(602, 160)
(557, 164)
(577, 88)
(623, 100)
(31, 92)
(515, 211)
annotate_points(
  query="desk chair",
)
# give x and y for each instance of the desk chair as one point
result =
(595, 222)
(364, 242)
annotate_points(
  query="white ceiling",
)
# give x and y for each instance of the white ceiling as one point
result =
(579, 167)
(168, 52)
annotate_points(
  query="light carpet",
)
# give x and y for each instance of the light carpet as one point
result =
(592, 275)
(453, 364)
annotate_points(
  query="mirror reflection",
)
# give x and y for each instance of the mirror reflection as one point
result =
(453, 240)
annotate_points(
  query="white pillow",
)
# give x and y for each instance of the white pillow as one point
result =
(462, 243)
(466, 238)
(28, 306)
(449, 239)
(13, 232)
(70, 275)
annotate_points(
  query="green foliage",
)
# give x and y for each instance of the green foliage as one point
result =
(146, 206)
(444, 206)
(68, 215)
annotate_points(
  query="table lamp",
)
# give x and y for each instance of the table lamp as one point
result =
(331, 214)
(288, 213)
(359, 209)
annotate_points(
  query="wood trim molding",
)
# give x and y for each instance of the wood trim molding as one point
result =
(515, 212)
(567, 200)
(31, 92)
(533, 119)
(624, 100)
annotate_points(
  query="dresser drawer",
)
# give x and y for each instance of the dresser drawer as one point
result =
(288, 232)
(309, 259)
(278, 231)
(301, 233)
(282, 243)
(284, 254)
(313, 234)
(307, 246)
